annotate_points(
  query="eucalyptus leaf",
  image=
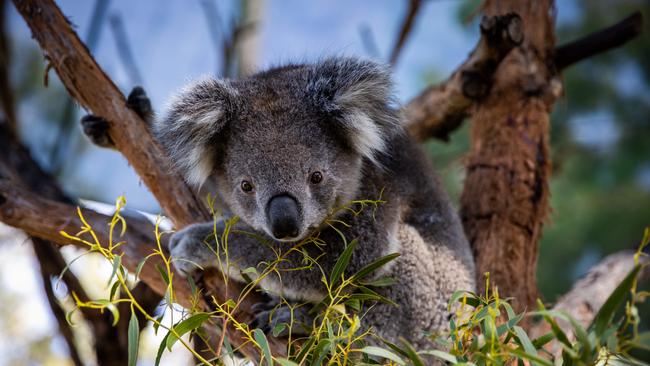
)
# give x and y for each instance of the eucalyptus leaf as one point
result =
(134, 339)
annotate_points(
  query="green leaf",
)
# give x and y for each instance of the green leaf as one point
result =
(557, 331)
(526, 343)
(117, 261)
(411, 353)
(114, 288)
(285, 362)
(342, 262)
(134, 339)
(305, 349)
(441, 355)
(582, 336)
(261, 340)
(470, 299)
(277, 330)
(161, 348)
(139, 267)
(185, 326)
(373, 266)
(354, 304)
(373, 295)
(509, 324)
(384, 353)
(115, 312)
(533, 358)
(511, 313)
(163, 274)
(320, 352)
(542, 340)
(228, 346)
(614, 301)
(156, 324)
(489, 329)
(380, 282)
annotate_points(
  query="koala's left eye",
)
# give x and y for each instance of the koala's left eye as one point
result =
(316, 177)
(246, 186)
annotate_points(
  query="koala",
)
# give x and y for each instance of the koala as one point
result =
(285, 150)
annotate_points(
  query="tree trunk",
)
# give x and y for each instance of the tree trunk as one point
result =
(505, 198)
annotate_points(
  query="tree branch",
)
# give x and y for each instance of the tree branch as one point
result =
(407, 25)
(90, 86)
(440, 109)
(47, 254)
(588, 294)
(599, 42)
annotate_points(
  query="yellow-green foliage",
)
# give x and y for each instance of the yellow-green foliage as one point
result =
(483, 331)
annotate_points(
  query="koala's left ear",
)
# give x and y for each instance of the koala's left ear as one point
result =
(195, 119)
(359, 94)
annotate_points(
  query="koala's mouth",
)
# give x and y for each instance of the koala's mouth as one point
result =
(302, 235)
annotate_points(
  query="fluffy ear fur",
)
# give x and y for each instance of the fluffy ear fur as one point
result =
(194, 119)
(359, 94)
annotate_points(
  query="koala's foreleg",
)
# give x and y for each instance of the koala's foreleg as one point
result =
(96, 127)
(195, 247)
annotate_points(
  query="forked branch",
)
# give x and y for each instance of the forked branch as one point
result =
(441, 108)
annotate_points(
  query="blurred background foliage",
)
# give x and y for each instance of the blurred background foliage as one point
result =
(600, 128)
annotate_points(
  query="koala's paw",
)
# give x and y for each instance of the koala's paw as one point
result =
(271, 314)
(96, 129)
(190, 252)
(140, 103)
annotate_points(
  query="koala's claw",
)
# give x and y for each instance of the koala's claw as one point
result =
(96, 128)
(140, 103)
(270, 314)
(189, 251)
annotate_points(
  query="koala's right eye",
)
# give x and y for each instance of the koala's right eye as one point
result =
(246, 186)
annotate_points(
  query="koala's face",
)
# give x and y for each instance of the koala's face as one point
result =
(284, 181)
(285, 147)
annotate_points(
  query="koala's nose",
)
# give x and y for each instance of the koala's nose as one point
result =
(282, 213)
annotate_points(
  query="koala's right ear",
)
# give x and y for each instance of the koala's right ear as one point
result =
(194, 119)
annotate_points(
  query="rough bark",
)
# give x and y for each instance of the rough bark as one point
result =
(505, 197)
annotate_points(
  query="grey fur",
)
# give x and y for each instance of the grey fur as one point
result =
(337, 117)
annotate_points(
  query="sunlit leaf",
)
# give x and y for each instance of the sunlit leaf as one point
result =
(185, 326)
(261, 340)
